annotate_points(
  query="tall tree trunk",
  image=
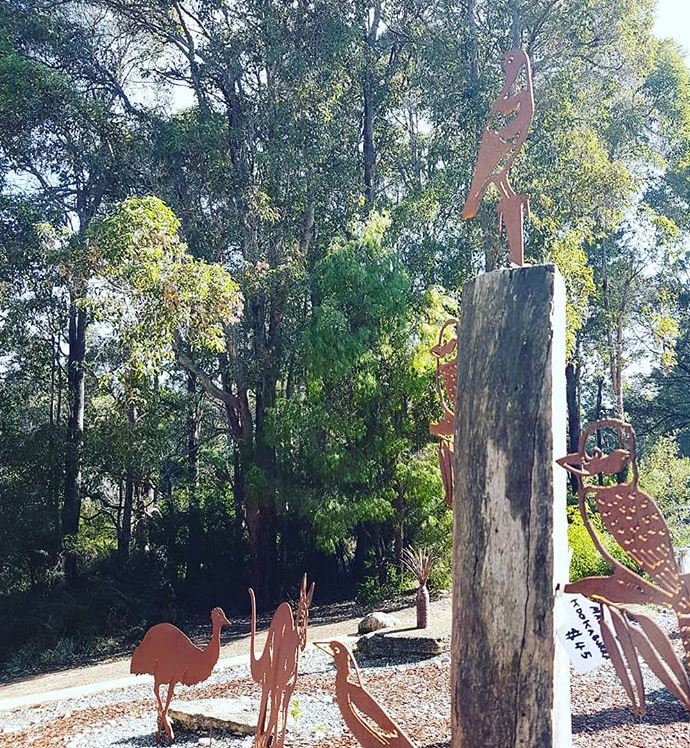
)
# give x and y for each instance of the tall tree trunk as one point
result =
(486, 217)
(361, 553)
(145, 499)
(598, 408)
(71, 507)
(125, 538)
(238, 490)
(369, 105)
(516, 23)
(261, 499)
(399, 538)
(194, 513)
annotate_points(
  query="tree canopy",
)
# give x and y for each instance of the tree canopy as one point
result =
(229, 233)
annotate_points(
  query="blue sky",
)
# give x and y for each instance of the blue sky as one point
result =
(673, 19)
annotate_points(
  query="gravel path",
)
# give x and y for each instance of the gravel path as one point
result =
(416, 695)
(325, 622)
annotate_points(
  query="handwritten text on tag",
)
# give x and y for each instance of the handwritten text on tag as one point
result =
(580, 633)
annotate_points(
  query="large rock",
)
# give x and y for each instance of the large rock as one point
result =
(236, 716)
(376, 621)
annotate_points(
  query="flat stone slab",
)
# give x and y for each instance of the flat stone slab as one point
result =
(404, 643)
(237, 716)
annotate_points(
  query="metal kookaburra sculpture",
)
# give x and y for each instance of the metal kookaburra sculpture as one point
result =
(498, 149)
(637, 525)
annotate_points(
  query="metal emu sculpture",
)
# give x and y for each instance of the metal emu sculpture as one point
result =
(276, 669)
(639, 528)
(171, 658)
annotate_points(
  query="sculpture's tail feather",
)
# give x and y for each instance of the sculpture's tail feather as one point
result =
(471, 204)
(684, 627)
(253, 662)
(138, 664)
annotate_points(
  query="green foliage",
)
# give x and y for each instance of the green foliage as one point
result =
(151, 291)
(586, 560)
(571, 259)
(665, 476)
(261, 275)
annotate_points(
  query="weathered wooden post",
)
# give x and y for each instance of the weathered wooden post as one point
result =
(509, 678)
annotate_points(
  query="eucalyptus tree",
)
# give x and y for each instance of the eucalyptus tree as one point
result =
(65, 139)
(260, 168)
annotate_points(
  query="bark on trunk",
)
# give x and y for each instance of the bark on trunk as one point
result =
(71, 507)
(125, 537)
(194, 518)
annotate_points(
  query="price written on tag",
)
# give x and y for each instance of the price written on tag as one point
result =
(580, 633)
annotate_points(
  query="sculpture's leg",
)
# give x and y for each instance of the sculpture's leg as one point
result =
(274, 718)
(285, 705)
(159, 715)
(259, 736)
(167, 724)
(445, 459)
(511, 216)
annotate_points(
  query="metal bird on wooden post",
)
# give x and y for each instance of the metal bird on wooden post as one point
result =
(499, 148)
(639, 528)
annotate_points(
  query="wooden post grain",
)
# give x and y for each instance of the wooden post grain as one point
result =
(509, 678)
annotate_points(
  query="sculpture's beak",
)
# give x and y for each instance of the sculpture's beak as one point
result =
(225, 621)
(441, 350)
(572, 463)
(324, 647)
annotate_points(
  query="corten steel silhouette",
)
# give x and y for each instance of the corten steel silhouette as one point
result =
(277, 668)
(363, 715)
(171, 658)
(639, 528)
(499, 148)
(446, 353)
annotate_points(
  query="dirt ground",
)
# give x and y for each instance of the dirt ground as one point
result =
(325, 622)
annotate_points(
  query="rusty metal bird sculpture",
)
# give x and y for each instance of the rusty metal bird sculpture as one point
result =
(363, 715)
(638, 527)
(446, 354)
(172, 658)
(499, 148)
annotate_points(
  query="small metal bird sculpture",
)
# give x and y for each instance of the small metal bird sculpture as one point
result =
(446, 353)
(639, 528)
(363, 715)
(498, 150)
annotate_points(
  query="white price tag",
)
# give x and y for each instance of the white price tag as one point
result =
(580, 633)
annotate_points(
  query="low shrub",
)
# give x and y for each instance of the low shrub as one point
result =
(586, 560)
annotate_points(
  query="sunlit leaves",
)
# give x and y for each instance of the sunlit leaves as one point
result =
(151, 291)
